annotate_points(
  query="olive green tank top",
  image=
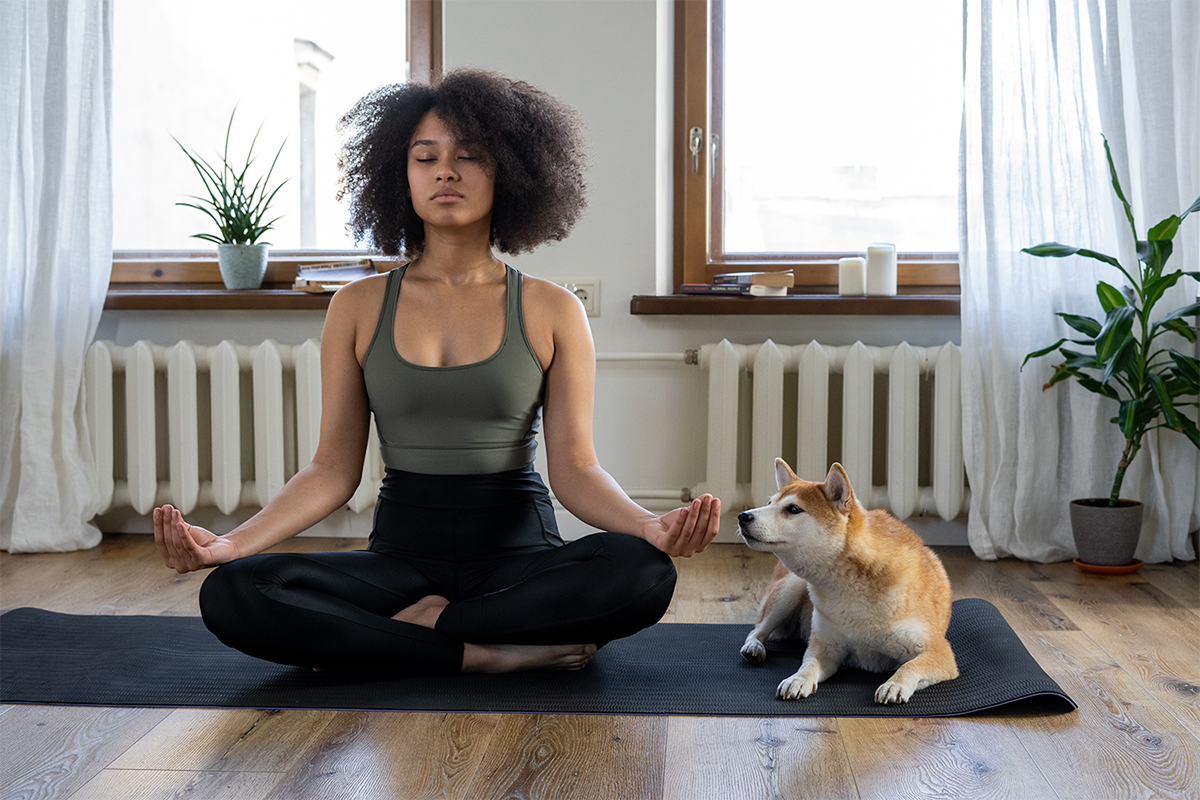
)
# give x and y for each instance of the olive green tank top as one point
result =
(461, 420)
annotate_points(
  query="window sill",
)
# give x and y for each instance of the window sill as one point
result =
(207, 297)
(911, 301)
(147, 281)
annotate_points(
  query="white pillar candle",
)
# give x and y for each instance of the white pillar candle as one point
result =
(852, 275)
(881, 269)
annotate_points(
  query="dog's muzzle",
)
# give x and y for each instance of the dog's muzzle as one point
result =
(744, 520)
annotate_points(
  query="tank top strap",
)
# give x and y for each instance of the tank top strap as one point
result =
(513, 314)
(387, 311)
(515, 326)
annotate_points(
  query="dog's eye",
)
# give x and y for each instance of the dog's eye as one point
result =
(794, 509)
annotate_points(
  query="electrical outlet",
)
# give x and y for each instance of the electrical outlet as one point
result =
(588, 292)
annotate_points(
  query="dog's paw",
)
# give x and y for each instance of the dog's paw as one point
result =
(893, 692)
(796, 687)
(754, 652)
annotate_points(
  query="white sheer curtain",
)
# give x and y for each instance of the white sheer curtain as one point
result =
(1044, 80)
(56, 244)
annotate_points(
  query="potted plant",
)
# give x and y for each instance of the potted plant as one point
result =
(238, 209)
(1152, 383)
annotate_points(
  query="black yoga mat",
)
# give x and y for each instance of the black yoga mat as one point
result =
(690, 669)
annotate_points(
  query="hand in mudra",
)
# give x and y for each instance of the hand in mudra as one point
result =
(688, 530)
(185, 547)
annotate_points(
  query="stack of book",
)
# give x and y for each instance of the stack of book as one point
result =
(317, 278)
(751, 284)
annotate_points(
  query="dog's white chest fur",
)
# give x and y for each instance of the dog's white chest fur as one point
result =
(866, 634)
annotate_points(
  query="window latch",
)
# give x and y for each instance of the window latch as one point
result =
(695, 143)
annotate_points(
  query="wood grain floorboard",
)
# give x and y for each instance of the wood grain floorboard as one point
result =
(714, 758)
(1121, 743)
(1146, 632)
(584, 757)
(123, 784)
(50, 751)
(898, 759)
(227, 740)
(383, 755)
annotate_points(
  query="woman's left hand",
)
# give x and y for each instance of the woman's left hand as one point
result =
(688, 530)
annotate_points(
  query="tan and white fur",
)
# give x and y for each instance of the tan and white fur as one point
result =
(860, 584)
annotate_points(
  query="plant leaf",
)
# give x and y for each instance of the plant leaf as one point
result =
(1112, 170)
(1130, 416)
(1193, 207)
(1095, 386)
(1154, 255)
(1164, 399)
(1056, 250)
(1165, 230)
(1189, 430)
(1042, 352)
(1179, 313)
(1115, 334)
(1110, 296)
(1187, 367)
(1155, 288)
(1061, 373)
(1182, 328)
(1122, 359)
(1085, 325)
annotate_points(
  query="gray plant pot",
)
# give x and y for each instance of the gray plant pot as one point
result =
(1106, 536)
(242, 265)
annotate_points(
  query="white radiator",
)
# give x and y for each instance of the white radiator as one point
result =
(768, 366)
(222, 426)
(226, 426)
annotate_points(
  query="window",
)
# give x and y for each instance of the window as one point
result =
(291, 66)
(807, 130)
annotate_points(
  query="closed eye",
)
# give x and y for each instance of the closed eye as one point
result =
(794, 509)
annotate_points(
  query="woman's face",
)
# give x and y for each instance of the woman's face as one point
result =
(450, 184)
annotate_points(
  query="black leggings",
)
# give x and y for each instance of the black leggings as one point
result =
(487, 543)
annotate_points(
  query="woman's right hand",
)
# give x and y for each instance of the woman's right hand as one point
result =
(187, 548)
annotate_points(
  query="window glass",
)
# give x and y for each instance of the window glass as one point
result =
(841, 125)
(292, 66)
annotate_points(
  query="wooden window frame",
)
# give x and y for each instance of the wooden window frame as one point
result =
(177, 280)
(697, 211)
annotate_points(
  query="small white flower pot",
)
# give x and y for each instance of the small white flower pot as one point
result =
(242, 265)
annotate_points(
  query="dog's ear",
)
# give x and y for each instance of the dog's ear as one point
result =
(783, 474)
(837, 488)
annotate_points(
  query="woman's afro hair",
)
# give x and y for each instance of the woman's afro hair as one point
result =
(530, 141)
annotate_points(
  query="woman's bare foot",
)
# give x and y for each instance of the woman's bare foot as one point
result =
(424, 612)
(501, 657)
(525, 657)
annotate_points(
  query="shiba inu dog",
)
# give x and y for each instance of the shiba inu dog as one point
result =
(862, 587)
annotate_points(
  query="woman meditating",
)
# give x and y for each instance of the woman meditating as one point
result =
(458, 356)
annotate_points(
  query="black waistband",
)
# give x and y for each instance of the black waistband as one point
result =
(462, 491)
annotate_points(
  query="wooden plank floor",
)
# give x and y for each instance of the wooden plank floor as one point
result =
(1127, 649)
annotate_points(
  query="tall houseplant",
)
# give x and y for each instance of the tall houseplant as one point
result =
(1153, 384)
(239, 209)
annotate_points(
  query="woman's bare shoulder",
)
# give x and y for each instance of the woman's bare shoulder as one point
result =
(550, 297)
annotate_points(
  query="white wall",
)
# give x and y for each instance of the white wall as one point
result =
(606, 58)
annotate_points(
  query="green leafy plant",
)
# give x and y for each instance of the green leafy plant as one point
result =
(236, 207)
(1152, 383)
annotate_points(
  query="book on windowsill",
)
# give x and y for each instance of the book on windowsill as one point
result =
(734, 289)
(783, 278)
(318, 278)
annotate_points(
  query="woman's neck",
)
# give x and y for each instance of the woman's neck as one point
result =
(456, 259)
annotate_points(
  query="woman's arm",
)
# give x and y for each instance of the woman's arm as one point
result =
(579, 482)
(329, 481)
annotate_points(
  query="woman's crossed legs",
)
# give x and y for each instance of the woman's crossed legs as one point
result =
(365, 610)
